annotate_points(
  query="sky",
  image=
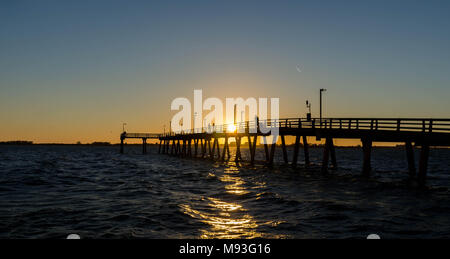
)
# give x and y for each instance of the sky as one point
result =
(76, 70)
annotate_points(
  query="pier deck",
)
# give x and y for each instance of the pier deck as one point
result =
(422, 133)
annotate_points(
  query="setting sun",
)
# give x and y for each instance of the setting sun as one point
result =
(231, 128)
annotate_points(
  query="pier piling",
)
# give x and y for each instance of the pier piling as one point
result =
(306, 150)
(423, 164)
(144, 146)
(367, 150)
(330, 144)
(296, 148)
(410, 158)
(326, 156)
(283, 146)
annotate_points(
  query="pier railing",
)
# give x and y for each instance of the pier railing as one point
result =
(142, 135)
(373, 124)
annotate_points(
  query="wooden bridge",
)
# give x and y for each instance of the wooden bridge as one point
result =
(422, 133)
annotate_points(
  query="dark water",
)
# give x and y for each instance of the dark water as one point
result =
(51, 191)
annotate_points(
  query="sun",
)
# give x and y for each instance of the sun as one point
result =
(231, 128)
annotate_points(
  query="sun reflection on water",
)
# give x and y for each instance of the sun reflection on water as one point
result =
(235, 184)
(227, 219)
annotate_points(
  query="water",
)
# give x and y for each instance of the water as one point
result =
(52, 191)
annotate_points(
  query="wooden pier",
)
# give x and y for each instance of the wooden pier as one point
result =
(143, 136)
(422, 133)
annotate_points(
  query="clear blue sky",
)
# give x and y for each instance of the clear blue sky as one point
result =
(75, 70)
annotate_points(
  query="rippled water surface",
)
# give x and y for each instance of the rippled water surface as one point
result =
(51, 191)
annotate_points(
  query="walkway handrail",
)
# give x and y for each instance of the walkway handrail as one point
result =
(142, 135)
(425, 125)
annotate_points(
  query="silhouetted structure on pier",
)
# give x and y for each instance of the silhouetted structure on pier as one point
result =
(422, 132)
